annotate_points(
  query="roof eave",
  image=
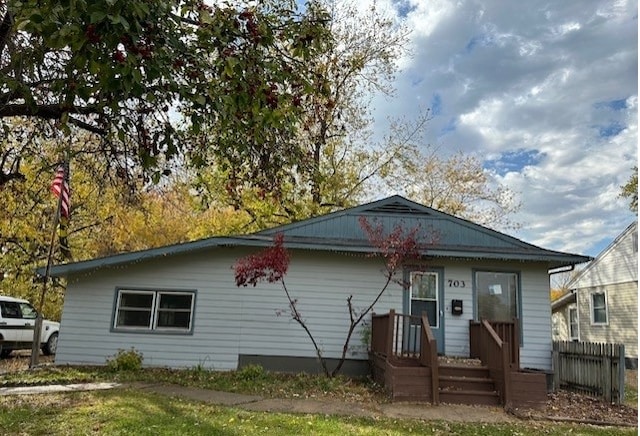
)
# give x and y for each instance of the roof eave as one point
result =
(553, 259)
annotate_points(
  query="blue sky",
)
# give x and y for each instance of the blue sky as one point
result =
(545, 94)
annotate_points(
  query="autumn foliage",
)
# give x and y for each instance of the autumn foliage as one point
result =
(395, 247)
(270, 265)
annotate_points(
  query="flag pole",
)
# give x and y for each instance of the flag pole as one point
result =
(37, 331)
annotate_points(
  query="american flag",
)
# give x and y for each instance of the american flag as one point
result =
(60, 188)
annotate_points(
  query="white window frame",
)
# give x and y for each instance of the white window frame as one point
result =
(592, 308)
(436, 300)
(572, 337)
(154, 310)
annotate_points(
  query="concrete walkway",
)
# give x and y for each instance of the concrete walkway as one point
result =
(424, 411)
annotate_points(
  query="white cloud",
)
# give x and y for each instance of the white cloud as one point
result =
(559, 78)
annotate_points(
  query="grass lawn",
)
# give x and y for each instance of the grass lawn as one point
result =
(127, 411)
(631, 388)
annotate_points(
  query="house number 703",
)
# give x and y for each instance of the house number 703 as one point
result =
(456, 283)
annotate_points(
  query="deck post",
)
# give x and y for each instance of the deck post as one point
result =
(390, 329)
(555, 359)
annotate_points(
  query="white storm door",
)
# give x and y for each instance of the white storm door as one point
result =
(425, 297)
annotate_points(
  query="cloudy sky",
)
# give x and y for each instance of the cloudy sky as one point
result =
(545, 93)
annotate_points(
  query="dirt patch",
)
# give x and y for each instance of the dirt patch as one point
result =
(571, 406)
(20, 360)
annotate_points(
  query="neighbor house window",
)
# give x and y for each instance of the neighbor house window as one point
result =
(573, 323)
(154, 310)
(497, 295)
(598, 308)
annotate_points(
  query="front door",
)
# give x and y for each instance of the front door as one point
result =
(425, 295)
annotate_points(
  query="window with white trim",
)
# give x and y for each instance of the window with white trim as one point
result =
(573, 323)
(599, 308)
(154, 310)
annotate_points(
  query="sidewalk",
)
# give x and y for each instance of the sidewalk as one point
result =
(424, 411)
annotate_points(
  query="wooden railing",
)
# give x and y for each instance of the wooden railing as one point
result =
(429, 356)
(395, 335)
(399, 335)
(382, 333)
(507, 331)
(494, 354)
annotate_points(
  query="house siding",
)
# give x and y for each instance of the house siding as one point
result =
(231, 321)
(615, 272)
(617, 264)
(228, 320)
(560, 323)
(321, 283)
(622, 325)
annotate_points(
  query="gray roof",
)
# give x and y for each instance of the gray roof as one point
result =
(442, 235)
(568, 298)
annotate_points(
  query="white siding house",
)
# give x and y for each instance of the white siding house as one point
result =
(180, 306)
(606, 297)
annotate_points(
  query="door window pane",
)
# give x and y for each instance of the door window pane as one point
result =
(10, 310)
(28, 311)
(424, 297)
(497, 294)
(424, 286)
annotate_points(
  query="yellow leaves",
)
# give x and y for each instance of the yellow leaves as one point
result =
(557, 293)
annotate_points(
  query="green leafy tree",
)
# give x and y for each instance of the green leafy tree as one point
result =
(125, 69)
(334, 132)
(107, 216)
(630, 190)
(361, 62)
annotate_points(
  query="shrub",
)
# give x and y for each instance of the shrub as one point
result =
(125, 360)
(251, 373)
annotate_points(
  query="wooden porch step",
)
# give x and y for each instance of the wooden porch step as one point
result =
(470, 397)
(456, 383)
(466, 384)
(478, 371)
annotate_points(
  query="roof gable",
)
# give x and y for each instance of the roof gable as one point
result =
(440, 230)
(617, 262)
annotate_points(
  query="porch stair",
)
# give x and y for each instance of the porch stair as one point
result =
(409, 366)
(466, 384)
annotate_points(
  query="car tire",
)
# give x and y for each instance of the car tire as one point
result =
(51, 346)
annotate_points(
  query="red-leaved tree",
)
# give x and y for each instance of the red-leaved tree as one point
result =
(271, 265)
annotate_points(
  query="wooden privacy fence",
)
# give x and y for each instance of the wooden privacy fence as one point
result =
(593, 368)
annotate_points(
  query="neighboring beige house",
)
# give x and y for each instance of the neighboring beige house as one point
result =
(564, 318)
(603, 303)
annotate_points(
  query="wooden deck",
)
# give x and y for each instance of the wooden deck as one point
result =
(414, 371)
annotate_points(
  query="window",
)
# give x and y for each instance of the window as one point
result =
(154, 310)
(573, 324)
(497, 295)
(424, 296)
(10, 310)
(28, 311)
(598, 308)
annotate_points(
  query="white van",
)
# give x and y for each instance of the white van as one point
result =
(17, 322)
